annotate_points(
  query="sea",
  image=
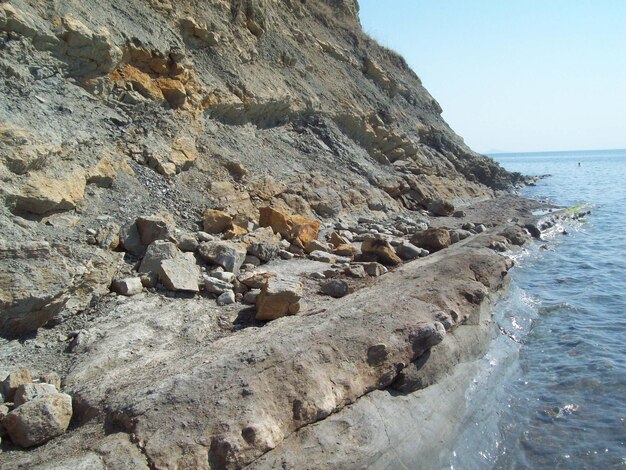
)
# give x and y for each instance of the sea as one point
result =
(551, 393)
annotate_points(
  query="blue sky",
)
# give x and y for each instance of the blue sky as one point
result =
(516, 75)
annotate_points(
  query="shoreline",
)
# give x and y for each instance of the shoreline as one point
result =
(264, 394)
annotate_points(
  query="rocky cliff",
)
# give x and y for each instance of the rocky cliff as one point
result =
(138, 142)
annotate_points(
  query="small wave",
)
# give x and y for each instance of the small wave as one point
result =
(561, 411)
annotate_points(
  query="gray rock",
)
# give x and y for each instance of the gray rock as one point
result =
(188, 243)
(128, 286)
(226, 254)
(51, 378)
(251, 296)
(317, 245)
(459, 214)
(285, 255)
(153, 228)
(317, 275)
(323, 257)
(28, 392)
(179, 274)
(356, 271)
(408, 251)
(253, 260)
(39, 420)
(216, 286)
(226, 298)
(223, 276)
(205, 237)
(263, 243)
(480, 228)
(158, 251)
(468, 226)
(441, 208)
(335, 288)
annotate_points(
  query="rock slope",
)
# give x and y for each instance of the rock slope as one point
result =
(177, 174)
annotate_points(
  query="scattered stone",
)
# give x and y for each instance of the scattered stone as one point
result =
(215, 221)
(216, 286)
(317, 245)
(179, 274)
(296, 250)
(223, 276)
(440, 208)
(188, 243)
(336, 288)
(347, 249)
(251, 296)
(12, 382)
(468, 226)
(263, 244)
(454, 237)
(226, 298)
(128, 286)
(228, 255)
(480, 228)
(278, 298)
(157, 252)
(459, 214)
(323, 257)
(357, 271)
(108, 237)
(153, 228)
(252, 260)
(499, 245)
(317, 275)
(51, 378)
(39, 420)
(285, 255)
(297, 229)
(130, 240)
(149, 280)
(205, 237)
(382, 249)
(433, 239)
(375, 269)
(255, 280)
(28, 392)
(407, 251)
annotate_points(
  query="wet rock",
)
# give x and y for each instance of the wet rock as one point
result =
(228, 255)
(216, 221)
(433, 239)
(323, 257)
(128, 286)
(39, 420)
(336, 288)
(13, 381)
(515, 234)
(157, 252)
(278, 298)
(533, 230)
(441, 208)
(382, 249)
(28, 392)
(298, 229)
(179, 274)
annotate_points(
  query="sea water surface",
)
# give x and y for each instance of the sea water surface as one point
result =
(552, 392)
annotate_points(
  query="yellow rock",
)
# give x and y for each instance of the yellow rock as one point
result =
(297, 229)
(217, 221)
(40, 195)
(382, 249)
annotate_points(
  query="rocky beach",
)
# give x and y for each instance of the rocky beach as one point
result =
(236, 234)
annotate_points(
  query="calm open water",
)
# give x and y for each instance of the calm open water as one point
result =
(552, 392)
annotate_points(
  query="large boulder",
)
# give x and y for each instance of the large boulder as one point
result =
(432, 239)
(28, 392)
(279, 297)
(441, 208)
(298, 229)
(228, 255)
(39, 419)
(13, 381)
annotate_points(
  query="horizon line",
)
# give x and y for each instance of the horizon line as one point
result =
(500, 152)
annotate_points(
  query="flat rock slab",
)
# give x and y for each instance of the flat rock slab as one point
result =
(180, 274)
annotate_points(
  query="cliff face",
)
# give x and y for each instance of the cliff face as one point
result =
(119, 110)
